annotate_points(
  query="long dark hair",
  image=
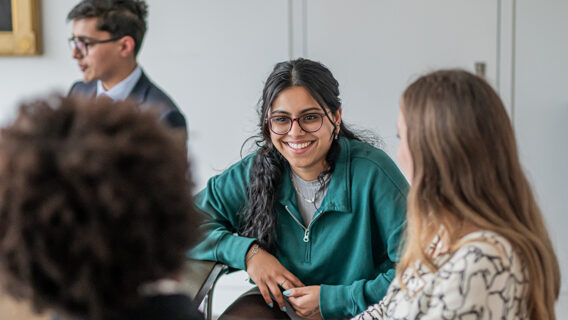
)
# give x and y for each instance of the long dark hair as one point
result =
(258, 218)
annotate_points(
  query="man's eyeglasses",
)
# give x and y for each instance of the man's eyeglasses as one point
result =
(83, 45)
(310, 122)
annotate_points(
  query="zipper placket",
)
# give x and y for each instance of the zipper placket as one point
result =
(306, 232)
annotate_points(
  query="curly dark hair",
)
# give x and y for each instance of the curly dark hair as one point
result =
(95, 199)
(258, 218)
(118, 17)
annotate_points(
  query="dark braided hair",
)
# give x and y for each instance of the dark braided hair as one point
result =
(258, 218)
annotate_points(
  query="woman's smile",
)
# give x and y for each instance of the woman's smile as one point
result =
(299, 147)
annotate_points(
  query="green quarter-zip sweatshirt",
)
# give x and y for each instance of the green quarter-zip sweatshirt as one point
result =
(351, 246)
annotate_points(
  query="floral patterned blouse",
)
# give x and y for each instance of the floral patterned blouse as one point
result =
(484, 279)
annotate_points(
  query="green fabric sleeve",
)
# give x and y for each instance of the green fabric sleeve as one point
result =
(339, 301)
(221, 201)
(389, 204)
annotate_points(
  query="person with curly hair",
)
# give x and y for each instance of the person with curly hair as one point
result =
(96, 215)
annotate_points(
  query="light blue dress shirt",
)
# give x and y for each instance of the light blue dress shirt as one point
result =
(122, 90)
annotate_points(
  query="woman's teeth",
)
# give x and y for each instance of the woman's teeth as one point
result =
(299, 146)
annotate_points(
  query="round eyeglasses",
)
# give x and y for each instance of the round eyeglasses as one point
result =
(310, 122)
(82, 45)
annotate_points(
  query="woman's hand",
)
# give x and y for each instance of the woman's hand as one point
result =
(267, 273)
(306, 301)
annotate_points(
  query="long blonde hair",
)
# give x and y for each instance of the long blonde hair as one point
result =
(466, 163)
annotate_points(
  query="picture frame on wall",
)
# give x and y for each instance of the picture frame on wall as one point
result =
(20, 32)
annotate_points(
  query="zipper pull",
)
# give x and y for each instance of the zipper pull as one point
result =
(307, 235)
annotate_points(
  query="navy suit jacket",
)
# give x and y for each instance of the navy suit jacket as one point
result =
(146, 94)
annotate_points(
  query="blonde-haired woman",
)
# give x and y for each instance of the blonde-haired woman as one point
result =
(477, 246)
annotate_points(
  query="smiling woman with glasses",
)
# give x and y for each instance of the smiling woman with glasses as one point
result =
(315, 215)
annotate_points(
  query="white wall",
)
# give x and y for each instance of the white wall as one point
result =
(541, 116)
(212, 57)
(377, 48)
(23, 77)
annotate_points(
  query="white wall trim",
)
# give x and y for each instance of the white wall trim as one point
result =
(506, 37)
(297, 28)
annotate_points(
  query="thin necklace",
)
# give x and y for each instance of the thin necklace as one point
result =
(309, 200)
(312, 200)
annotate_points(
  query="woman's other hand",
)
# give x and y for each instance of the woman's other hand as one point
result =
(267, 273)
(306, 301)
